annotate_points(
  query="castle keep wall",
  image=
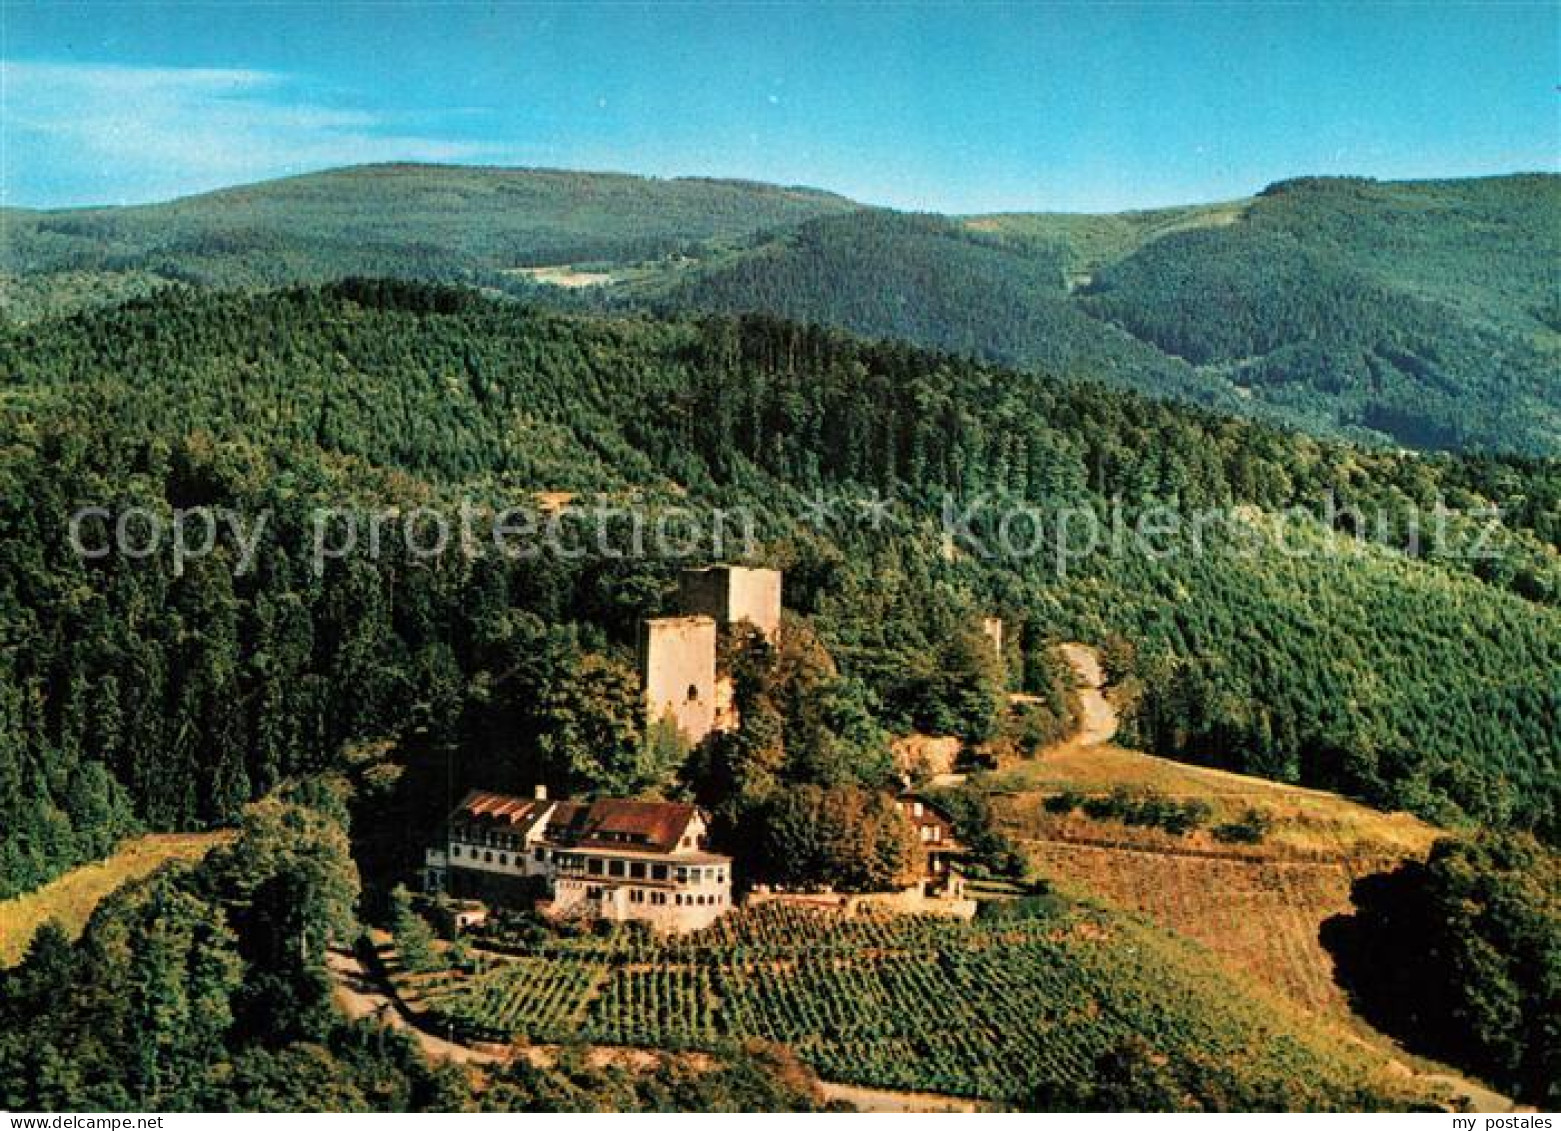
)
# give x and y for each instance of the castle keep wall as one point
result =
(734, 593)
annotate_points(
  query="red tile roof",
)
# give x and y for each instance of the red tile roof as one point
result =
(500, 808)
(655, 826)
(647, 826)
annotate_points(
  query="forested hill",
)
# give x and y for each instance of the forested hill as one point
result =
(1422, 314)
(476, 225)
(132, 690)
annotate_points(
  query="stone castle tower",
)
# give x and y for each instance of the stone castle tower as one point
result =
(992, 627)
(677, 671)
(677, 654)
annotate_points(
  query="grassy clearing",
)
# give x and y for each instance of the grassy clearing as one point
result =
(72, 898)
(1308, 823)
(570, 278)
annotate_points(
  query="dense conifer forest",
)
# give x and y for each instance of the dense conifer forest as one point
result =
(136, 691)
(1421, 314)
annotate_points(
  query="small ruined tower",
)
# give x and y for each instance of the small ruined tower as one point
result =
(677, 654)
(992, 627)
(731, 594)
(677, 672)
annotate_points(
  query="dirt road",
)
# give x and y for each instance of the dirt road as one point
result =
(358, 995)
(1099, 724)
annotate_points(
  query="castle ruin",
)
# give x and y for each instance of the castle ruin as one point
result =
(677, 654)
(677, 672)
(732, 594)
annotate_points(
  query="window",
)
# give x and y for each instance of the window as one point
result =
(658, 871)
(680, 899)
(693, 692)
(615, 867)
(541, 855)
(455, 850)
(503, 858)
(636, 895)
(637, 870)
(593, 866)
(487, 858)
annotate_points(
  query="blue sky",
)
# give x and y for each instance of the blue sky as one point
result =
(955, 108)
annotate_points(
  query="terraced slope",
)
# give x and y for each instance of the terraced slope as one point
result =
(1019, 1007)
(1258, 906)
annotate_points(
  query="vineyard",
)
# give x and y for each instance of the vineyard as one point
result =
(1016, 1007)
(1257, 906)
(1263, 918)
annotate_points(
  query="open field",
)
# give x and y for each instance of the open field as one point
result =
(564, 276)
(72, 898)
(1010, 1008)
(1308, 823)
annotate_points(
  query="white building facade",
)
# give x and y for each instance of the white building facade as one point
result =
(614, 859)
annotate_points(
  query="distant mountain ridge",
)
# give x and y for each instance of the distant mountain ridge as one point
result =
(1426, 314)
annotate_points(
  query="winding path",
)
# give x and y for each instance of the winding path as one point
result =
(1099, 723)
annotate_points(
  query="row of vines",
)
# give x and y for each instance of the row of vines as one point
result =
(1006, 1009)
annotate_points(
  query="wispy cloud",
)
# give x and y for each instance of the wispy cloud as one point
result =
(90, 133)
